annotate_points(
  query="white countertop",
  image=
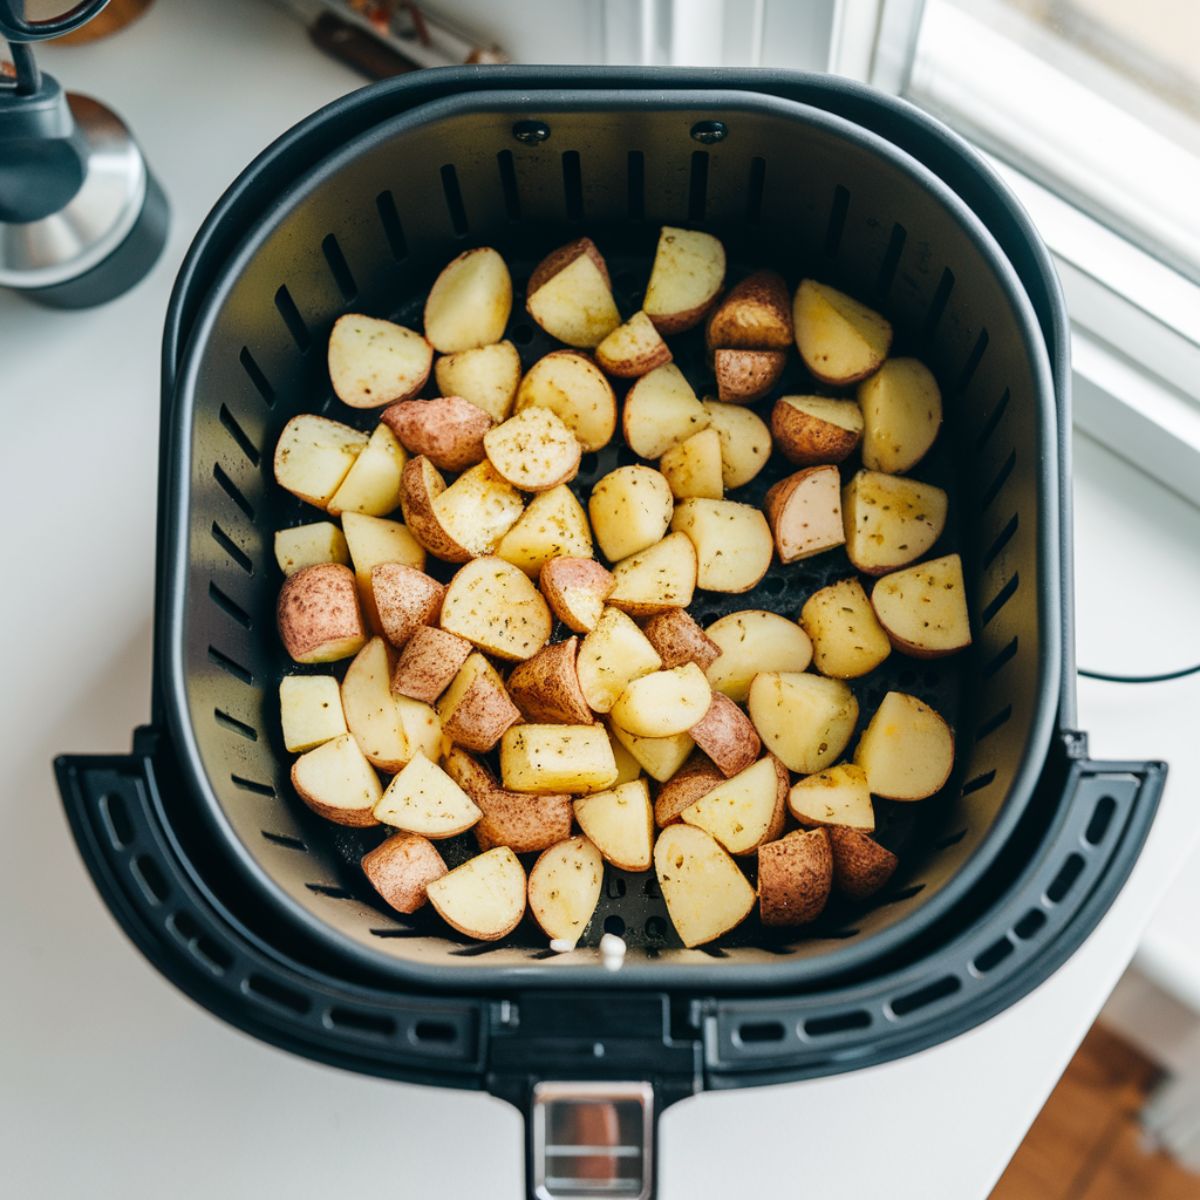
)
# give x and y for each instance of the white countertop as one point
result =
(113, 1085)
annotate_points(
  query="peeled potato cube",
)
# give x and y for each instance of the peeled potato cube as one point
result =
(553, 525)
(661, 410)
(401, 868)
(487, 376)
(484, 898)
(447, 430)
(431, 658)
(557, 758)
(614, 654)
(907, 750)
(374, 362)
(726, 735)
(318, 615)
(657, 579)
(336, 782)
(313, 456)
(476, 708)
(902, 412)
(836, 796)
(478, 509)
(534, 450)
(804, 720)
(310, 710)
(688, 271)
(573, 387)
(805, 511)
(693, 468)
(861, 866)
(469, 303)
(795, 877)
(371, 715)
(376, 540)
(751, 642)
(738, 811)
(546, 687)
(840, 340)
(744, 376)
(815, 429)
(372, 485)
(705, 892)
(660, 757)
(570, 297)
(745, 441)
(924, 608)
(575, 588)
(890, 521)
(678, 640)
(733, 543)
(564, 888)
(620, 823)
(663, 703)
(405, 599)
(847, 639)
(308, 545)
(423, 799)
(630, 509)
(495, 606)
(633, 349)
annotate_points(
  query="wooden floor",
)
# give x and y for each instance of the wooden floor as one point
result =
(1086, 1143)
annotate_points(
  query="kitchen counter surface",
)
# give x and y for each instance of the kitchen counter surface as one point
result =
(112, 1085)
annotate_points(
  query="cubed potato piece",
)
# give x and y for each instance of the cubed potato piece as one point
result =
(663, 703)
(783, 781)
(546, 687)
(924, 608)
(661, 410)
(795, 877)
(447, 430)
(861, 866)
(496, 607)
(421, 485)
(405, 599)
(805, 512)
(564, 888)
(318, 615)
(657, 579)
(484, 898)
(685, 280)
(570, 297)
(476, 708)
(753, 641)
(574, 388)
(476, 511)
(336, 782)
(430, 660)
(660, 757)
(744, 376)
(556, 758)
(469, 303)
(633, 349)
(706, 894)
(902, 413)
(614, 654)
(424, 799)
(620, 824)
(575, 588)
(840, 340)
(745, 441)
(375, 540)
(422, 726)
(756, 314)
(533, 450)
(696, 778)
(890, 522)
(630, 509)
(837, 796)
(374, 362)
(726, 735)
(733, 543)
(628, 767)
(553, 525)
(487, 376)
(738, 811)
(907, 750)
(313, 456)
(815, 429)
(678, 640)
(848, 642)
(371, 715)
(693, 468)
(310, 711)
(401, 868)
(308, 545)
(372, 485)
(804, 720)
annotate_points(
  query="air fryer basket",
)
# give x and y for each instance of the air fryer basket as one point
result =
(196, 840)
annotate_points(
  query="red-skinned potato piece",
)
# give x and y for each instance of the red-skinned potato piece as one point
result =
(447, 430)
(428, 663)
(400, 869)
(861, 866)
(727, 736)
(476, 708)
(756, 314)
(795, 876)
(318, 614)
(405, 598)
(744, 376)
(697, 777)
(805, 513)
(546, 687)
(576, 589)
(678, 640)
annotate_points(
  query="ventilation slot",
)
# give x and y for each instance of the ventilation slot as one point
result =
(857, 1018)
(989, 426)
(116, 820)
(1064, 881)
(339, 268)
(937, 306)
(231, 548)
(998, 660)
(907, 893)
(993, 723)
(389, 218)
(292, 319)
(614, 887)
(572, 185)
(454, 201)
(213, 955)
(978, 783)
(231, 608)
(698, 186)
(256, 377)
(973, 361)
(437, 1033)
(1101, 819)
(951, 840)
(1029, 924)
(837, 220)
(282, 839)
(232, 490)
(508, 185)
(275, 994)
(235, 726)
(395, 932)
(330, 890)
(754, 190)
(993, 489)
(656, 929)
(149, 878)
(1002, 597)
(614, 924)
(993, 956)
(931, 993)
(252, 785)
(636, 170)
(229, 665)
(370, 1024)
(757, 1032)
(244, 444)
(891, 260)
(1001, 540)
(477, 950)
(840, 936)
(713, 951)
(650, 888)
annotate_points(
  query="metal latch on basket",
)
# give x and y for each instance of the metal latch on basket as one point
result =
(592, 1139)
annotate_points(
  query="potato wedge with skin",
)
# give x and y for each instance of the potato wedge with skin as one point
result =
(422, 726)
(890, 521)
(923, 609)
(570, 297)
(401, 868)
(337, 783)
(476, 708)
(694, 779)
(371, 715)
(815, 429)
(476, 511)
(840, 340)
(405, 599)
(533, 450)
(633, 349)
(423, 799)
(902, 413)
(628, 767)
(738, 812)
(375, 540)
(574, 388)
(614, 654)
(678, 640)
(907, 749)
(661, 411)
(308, 545)
(837, 796)
(751, 642)
(553, 525)
(576, 589)
(726, 735)
(732, 541)
(447, 430)
(546, 687)
(861, 866)
(805, 512)
(848, 641)
(795, 877)
(372, 485)
(429, 661)
(469, 303)
(685, 280)
(744, 376)
(630, 509)
(557, 758)
(693, 468)
(745, 441)
(313, 456)
(421, 484)
(782, 783)
(620, 824)
(805, 720)
(495, 606)
(318, 614)
(310, 711)
(755, 314)
(487, 376)
(657, 579)
(484, 898)
(663, 703)
(659, 757)
(374, 362)
(705, 892)
(564, 888)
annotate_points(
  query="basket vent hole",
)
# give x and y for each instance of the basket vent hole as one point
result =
(650, 888)
(1001, 478)
(614, 924)
(339, 268)
(150, 879)
(614, 887)
(1106, 806)
(837, 219)
(1064, 881)
(229, 606)
(993, 956)
(931, 993)
(271, 992)
(978, 783)
(455, 208)
(993, 420)
(232, 490)
(656, 928)
(256, 377)
(211, 953)
(1000, 658)
(393, 231)
(856, 1018)
(231, 548)
(1029, 924)
(752, 1032)
(755, 186)
(589, 464)
(477, 950)
(283, 839)
(698, 186)
(891, 260)
(116, 820)
(572, 185)
(252, 785)
(773, 585)
(508, 185)
(840, 935)
(973, 361)
(230, 666)
(234, 725)
(395, 931)
(993, 723)
(937, 306)
(239, 435)
(439, 1033)
(903, 894)
(522, 334)
(331, 890)
(371, 1024)
(636, 188)
(951, 840)
(1001, 540)
(287, 309)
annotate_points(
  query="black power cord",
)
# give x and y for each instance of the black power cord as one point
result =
(1163, 677)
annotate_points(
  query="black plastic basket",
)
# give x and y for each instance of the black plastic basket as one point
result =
(257, 909)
